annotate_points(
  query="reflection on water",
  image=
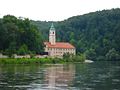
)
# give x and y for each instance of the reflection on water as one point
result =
(50, 77)
(59, 76)
(94, 76)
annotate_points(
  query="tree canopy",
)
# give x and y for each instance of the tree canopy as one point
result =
(18, 34)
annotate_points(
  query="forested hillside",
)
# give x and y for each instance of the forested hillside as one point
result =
(19, 36)
(95, 34)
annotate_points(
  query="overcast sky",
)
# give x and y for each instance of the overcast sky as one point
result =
(53, 10)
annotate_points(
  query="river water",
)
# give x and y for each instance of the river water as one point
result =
(101, 75)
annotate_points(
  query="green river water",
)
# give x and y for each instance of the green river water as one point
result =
(100, 75)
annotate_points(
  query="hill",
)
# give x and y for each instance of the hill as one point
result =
(95, 34)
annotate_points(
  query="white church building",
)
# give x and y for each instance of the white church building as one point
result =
(57, 49)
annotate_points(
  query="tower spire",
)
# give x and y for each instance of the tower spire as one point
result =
(52, 36)
(52, 27)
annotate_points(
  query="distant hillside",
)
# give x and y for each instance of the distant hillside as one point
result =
(96, 34)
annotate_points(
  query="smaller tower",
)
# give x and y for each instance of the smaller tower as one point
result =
(52, 36)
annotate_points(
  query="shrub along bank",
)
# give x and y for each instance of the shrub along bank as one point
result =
(65, 59)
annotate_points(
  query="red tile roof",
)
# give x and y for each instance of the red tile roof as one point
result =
(60, 45)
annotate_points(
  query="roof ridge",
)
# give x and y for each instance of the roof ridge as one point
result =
(60, 45)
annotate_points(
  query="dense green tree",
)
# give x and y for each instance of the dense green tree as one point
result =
(90, 53)
(23, 50)
(11, 49)
(112, 55)
(16, 34)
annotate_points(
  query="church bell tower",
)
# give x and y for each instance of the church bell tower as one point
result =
(52, 36)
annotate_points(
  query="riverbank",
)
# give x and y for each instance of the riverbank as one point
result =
(30, 60)
(34, 60)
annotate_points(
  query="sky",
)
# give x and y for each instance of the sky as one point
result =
(53, 10)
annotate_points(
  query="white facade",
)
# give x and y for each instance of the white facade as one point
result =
(59, 52)
(3, 56)
(21, 56)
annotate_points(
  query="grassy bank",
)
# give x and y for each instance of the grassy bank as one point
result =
(36, 60)
(30, 61)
